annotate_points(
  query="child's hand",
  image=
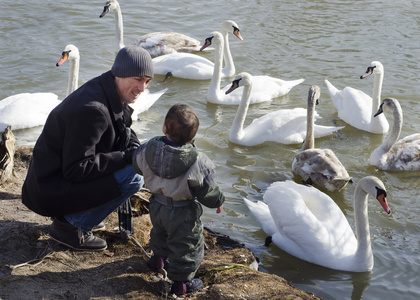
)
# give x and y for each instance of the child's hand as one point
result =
(219, 209)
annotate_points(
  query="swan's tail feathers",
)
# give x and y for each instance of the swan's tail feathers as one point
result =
(154, 97)
(261, 212)
(321, 131)
(332, 90)
(285, 86)
(293, 83)
(145, 101)
(297, 81)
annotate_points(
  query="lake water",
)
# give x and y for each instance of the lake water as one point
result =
(315, 40)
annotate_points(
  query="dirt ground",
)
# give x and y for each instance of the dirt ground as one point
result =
(32, 266)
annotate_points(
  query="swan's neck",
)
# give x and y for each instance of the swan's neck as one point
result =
(214, 87)
(229, 65)
(119, 33)
(376, 95)
(395, 131)
(363, 253)
(73, 82)
(236, 131)
(310, 139)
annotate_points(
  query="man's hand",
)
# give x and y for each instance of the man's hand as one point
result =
(128, 154)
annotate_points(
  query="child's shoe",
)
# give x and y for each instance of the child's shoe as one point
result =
(183, 287)
(158, 262)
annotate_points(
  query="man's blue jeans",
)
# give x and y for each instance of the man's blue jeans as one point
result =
(130, 183)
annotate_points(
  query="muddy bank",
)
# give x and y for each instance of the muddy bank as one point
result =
(32, 266)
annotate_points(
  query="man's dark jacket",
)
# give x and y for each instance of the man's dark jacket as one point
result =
(77, 152)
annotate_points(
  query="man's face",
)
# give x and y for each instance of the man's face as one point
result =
(130, 88)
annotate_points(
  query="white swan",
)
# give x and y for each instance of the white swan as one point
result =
(318, 166)
(286, 126)
(357, 108)
(308, 224)
(143, 102)
(195, 67)
(403, 155)
(26, 110)
(71, 53)
(264, 88)
(156, 43)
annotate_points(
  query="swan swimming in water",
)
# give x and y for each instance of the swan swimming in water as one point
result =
(195, 67)
(264, 88)
(308, 224)
(403, 155)
(286, 126)
(27, 110)
(156, 43)
(143, 102)
(314, 165)
(357, 108)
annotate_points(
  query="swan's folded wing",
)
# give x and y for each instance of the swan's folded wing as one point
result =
(290, 212)
(308, 217)
(331, 216)
(405, 154)
(319, 161)
(286, 126)
(183, 65)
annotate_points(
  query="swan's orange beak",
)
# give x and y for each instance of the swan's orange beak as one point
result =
(64, 57)
(382, 199)
(206, 43)
(238, 34)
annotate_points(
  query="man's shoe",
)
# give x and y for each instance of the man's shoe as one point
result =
(183, 287)
(75, 238)
(99, 227)
(158, 262)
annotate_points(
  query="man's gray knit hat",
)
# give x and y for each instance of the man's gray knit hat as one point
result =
(132, 61)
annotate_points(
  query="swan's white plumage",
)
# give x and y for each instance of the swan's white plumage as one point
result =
(184, 65)
(310, 225)
(264, 88)
(315, 165)
(26, 110)
(145, 101)
(156, 43)
(195, 67)
(394, 154)
(356, 107)
(286, 126)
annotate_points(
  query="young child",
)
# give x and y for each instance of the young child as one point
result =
(179, 178)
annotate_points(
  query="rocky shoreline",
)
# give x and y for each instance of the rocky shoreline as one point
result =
(35, 267)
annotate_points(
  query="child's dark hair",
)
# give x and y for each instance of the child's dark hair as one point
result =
(181, 123)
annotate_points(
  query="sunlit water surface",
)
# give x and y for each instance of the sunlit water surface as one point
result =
(315, 40)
